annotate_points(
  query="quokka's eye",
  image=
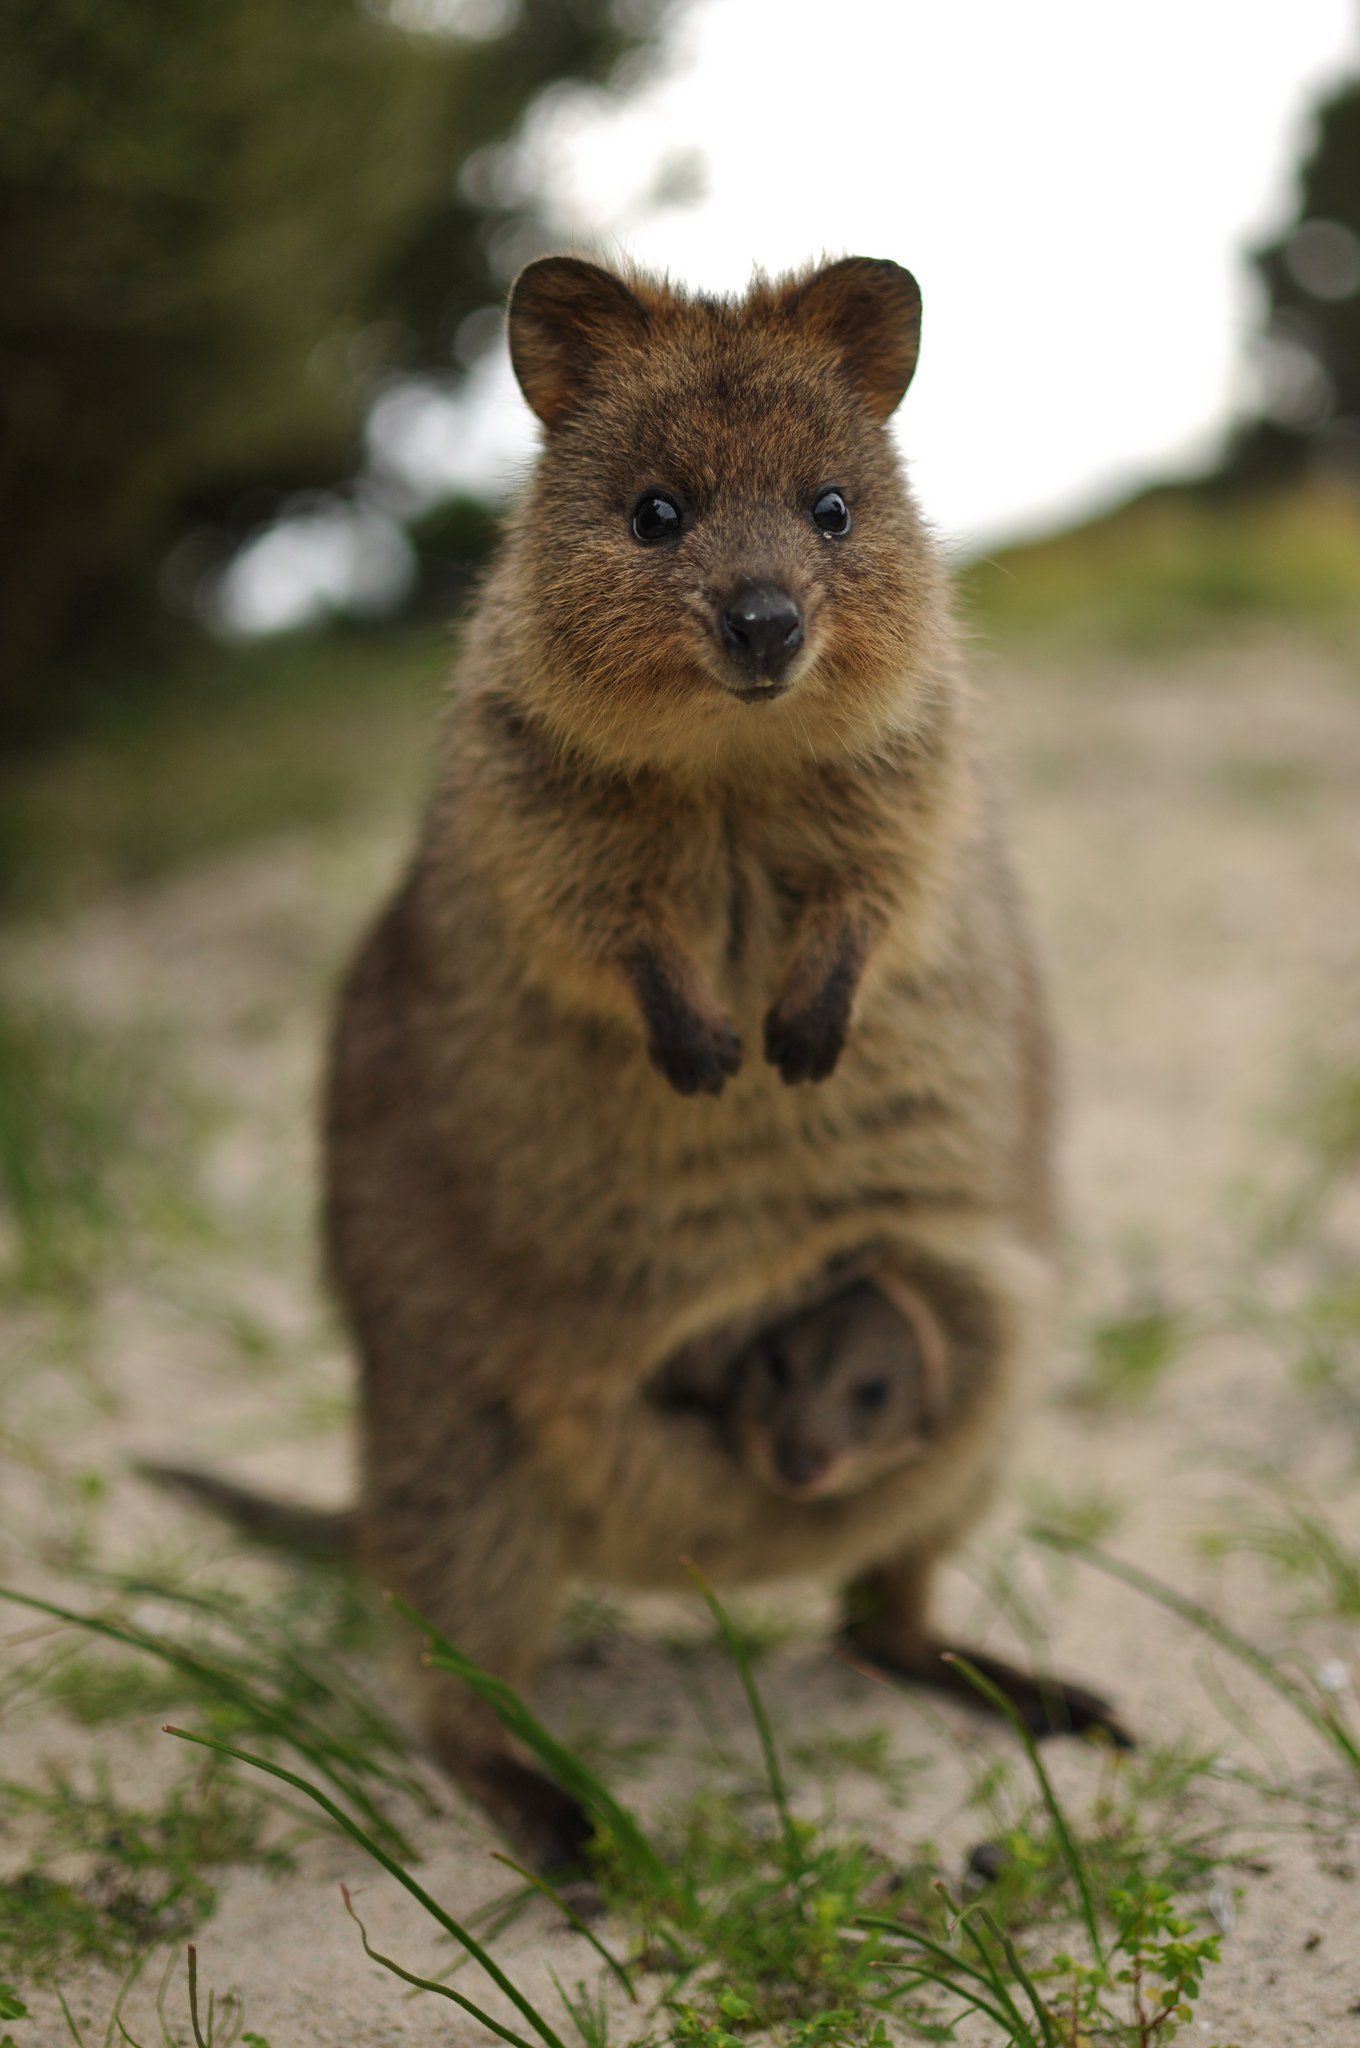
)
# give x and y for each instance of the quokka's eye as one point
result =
(871, 1396)
(777, 1366)
(656, 517)
(831, 514)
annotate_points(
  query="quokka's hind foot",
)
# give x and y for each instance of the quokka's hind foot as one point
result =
(1047, 1705)
(544, 1824)
(890, 1629)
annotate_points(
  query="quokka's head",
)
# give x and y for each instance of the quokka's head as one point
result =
(832, 1398)
(718, 555)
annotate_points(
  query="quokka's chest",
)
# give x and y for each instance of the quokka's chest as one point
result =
(737, 884)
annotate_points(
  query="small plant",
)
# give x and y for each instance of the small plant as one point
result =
(1129, 1353)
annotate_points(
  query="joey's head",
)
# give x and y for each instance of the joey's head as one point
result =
(829, 1400)
(718, 556)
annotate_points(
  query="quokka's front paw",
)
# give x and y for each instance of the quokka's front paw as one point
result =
(697, 1055)
(806, 1043)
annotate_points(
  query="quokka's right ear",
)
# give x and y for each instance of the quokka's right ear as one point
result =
(566, 319)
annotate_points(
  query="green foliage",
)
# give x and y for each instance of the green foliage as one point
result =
(217, 241)
(1174, 566)
(1312, 337)
(1160, 1961)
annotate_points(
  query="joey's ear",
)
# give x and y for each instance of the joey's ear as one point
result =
(870, 311)
(566, 318)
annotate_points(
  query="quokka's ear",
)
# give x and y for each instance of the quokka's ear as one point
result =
(566, 319)
(870, 311)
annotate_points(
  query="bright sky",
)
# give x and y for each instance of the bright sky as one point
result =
(1073, 183)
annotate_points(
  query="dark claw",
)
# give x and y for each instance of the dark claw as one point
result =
(699, 1061)
(804, 1048)
(1047, 1706)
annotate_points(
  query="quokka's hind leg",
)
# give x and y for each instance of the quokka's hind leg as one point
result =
(889, 1628)
(481, 1562)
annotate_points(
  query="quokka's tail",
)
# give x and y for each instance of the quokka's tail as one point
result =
(284, 1524)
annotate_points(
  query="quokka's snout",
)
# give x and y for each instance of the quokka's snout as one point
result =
(761, 631)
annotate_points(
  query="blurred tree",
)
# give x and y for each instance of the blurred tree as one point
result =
(222, 226)
(1310, 349)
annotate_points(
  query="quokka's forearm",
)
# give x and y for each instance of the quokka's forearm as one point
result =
(809, 1020)
(690, 1038)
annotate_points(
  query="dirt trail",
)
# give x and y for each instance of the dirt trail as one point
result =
(1187, 830)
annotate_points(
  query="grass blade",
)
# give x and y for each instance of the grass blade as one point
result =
(557, 1760)
(319, 1750)
(404, 1878)
(1023, 1978)
(1326, 1724)
(429, 1983)
(193, 2000)
(737, 1650)
(1071, 1854)
(76, 2035)
(573, 1918)
(955, 1966)
(285, 1654)
(1022, 2032)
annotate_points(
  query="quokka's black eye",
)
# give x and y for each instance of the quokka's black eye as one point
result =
(831, 514)
(871, 1396)
(777, 1366)
(656, 517)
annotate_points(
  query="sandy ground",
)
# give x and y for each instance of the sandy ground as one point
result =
(1188, 831)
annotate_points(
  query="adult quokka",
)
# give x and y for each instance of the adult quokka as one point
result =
(706, 974)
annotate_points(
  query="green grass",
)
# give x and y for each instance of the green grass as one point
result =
(1299, 1545)
(79, 1120)
(276, 1670)
(293, 735)
(147, 1870)
(1128, 1354)
(1173, 568)
(1314, 1705)
(745, 1918)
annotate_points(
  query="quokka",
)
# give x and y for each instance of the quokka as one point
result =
(706, 976)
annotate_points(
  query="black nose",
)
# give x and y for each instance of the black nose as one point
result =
(762, 628)
(799, 1464)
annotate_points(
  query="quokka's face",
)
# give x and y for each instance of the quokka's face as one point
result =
(719, 545)
(834, 1397)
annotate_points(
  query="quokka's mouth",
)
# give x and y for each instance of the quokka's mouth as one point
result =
(757, 693)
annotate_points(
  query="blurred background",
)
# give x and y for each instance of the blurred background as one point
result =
(258, 426)
(253, 375)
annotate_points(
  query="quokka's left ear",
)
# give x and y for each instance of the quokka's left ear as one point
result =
(869, 310)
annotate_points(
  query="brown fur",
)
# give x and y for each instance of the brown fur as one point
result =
(629, 868)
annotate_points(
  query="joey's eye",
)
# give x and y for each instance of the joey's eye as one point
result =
(655, 517)
(777, 1366)
(871, 1396)
(831, 514)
